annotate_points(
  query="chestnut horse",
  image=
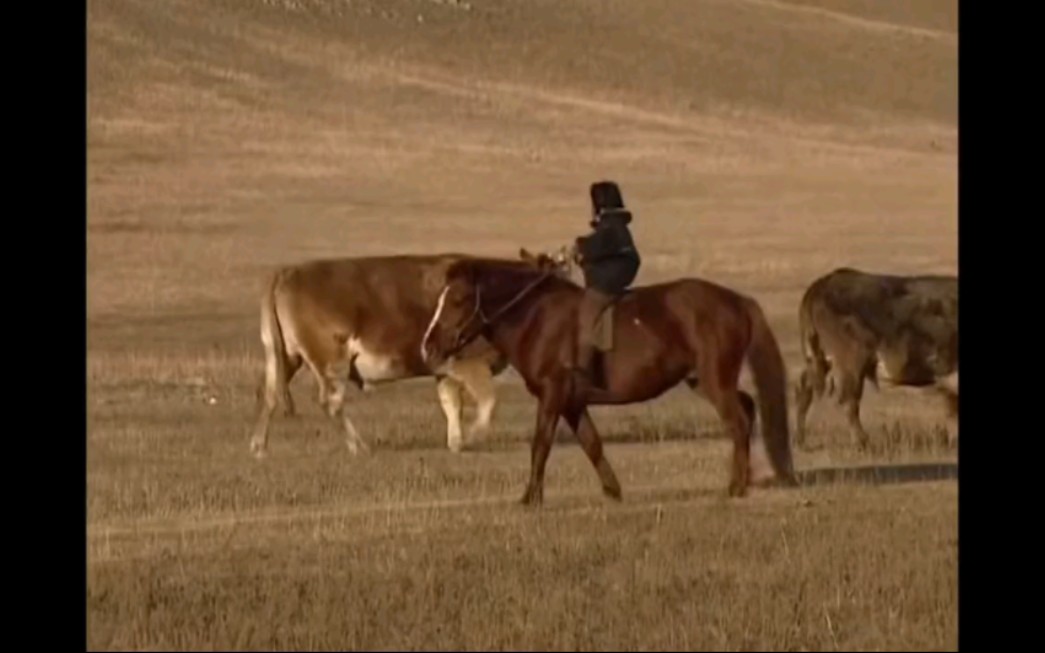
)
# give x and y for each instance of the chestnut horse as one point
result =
(683, 330)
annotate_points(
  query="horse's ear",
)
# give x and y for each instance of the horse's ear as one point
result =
(525, 255)
(458, 271)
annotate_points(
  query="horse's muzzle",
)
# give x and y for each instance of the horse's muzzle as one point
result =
(435, 353)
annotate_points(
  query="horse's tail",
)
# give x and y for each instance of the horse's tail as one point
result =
(816, 364)
(274, 382)
(770, 374)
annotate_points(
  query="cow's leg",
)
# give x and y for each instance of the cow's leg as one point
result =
(475, 376)
(948, 389)
(450, 400)
(951, 406)
(803, 401)
(852, 391)
(338, 388)
(293, 364)
(322, 385)
(268, 398)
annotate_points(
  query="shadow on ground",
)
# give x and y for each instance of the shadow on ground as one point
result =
(879, 474)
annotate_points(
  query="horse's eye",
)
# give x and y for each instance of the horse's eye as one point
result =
(458, 296)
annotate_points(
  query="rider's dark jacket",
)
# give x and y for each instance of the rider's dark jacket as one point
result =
(608, 254)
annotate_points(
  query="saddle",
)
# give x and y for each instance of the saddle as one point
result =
(602, 332)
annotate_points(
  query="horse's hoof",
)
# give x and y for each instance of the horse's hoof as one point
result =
(613, 493)
(532, 499)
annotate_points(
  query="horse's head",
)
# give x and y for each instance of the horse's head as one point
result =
(478, 294)
(457, 316)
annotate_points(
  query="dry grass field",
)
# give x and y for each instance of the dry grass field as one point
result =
(760, 144)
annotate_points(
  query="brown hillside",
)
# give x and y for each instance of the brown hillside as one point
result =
(227, 136)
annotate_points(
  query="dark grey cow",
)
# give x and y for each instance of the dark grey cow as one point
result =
(899, 330)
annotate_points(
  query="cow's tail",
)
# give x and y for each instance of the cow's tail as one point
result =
(770, 374)
(273, 385)
(817, 366)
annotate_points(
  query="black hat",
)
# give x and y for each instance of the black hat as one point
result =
(605, 195)
(606, 202)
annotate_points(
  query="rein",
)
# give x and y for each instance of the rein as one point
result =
(487, 321)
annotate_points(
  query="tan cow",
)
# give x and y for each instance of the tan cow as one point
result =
(898, 330)
(363, 320)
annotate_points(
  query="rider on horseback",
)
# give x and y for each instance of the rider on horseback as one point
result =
(610, 262)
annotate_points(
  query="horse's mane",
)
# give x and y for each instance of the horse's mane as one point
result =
(501, 279)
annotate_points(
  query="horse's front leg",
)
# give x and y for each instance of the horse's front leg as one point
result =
(549, 409)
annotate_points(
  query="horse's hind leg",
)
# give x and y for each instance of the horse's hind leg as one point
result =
(582, 425)
(762, 473)
(736, 409)
(731, 411)
(747, 402)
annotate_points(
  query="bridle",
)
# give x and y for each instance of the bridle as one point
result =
(460, 341)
